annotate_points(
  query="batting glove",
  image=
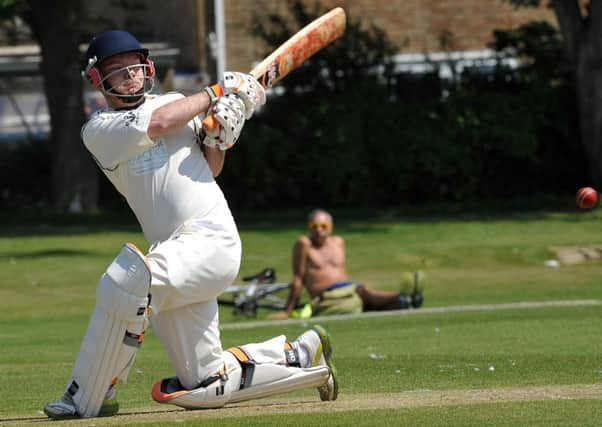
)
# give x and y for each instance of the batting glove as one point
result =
(244, 85)
(229, 112)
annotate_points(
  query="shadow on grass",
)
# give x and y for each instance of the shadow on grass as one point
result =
(52, 253)
(33, 223)
(539, 207)
(374, 220)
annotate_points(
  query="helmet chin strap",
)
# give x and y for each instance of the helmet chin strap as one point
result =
(131, 99)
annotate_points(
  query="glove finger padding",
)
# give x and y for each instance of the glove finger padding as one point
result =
(229, 112)
(246, 87)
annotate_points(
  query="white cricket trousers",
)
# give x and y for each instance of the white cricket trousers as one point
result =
(189, 271)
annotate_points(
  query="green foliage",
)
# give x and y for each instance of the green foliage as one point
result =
(365, 149)
(10, 28)
(524, 3)
(25, 174)
(374, 137)
(356, 54)
(540, 44)
(10, 8)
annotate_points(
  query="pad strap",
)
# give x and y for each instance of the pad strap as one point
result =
(292, 356)
(247, 366)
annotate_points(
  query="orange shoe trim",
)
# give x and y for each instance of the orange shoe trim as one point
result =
(159, 396)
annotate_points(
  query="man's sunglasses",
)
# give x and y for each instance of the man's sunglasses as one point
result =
(319, 226)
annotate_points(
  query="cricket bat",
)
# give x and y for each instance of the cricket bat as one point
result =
(306, 42)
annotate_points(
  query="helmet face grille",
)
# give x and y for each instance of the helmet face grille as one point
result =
(96, 79)
(147, 80)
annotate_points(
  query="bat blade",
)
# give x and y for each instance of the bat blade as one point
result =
(304, 44)
(289, 55)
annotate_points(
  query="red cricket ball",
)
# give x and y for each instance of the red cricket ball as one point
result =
(587, 197)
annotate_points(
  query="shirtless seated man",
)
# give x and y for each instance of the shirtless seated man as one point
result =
(319, 266)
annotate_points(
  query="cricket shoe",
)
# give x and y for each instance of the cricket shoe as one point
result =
(319, 349)
(64, 408)
(414, 300)
(412, 288)
(417, 299)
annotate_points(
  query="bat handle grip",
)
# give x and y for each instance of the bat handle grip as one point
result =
(214, 92)
(210, 124)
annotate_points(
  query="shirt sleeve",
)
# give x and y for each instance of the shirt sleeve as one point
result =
(115, 136)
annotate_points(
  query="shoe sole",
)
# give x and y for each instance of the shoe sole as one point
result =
(54, 416)
(327, 391)
(108, 409)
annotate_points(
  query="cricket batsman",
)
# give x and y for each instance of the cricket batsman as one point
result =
(152, 150)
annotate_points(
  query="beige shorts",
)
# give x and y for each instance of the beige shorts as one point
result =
(343, 300)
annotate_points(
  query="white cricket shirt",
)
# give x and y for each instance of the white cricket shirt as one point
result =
(165, 182)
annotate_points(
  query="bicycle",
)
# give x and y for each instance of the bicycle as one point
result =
(258, 291)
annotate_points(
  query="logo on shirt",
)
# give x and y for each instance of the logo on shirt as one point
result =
(130, 117)
(149, 161)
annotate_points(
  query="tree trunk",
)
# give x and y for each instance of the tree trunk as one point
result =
(588, 72)
(582, 32)
(57, 28)
(589, 100)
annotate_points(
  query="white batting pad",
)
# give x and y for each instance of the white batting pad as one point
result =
(272, 379)
(241, 382)
(115, 330)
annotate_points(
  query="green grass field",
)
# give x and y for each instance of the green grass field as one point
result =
(516, 366)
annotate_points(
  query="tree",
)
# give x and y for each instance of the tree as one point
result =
(58, 27)
(319, 89)
(359, 53)
(580, 24)
(582, 32)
